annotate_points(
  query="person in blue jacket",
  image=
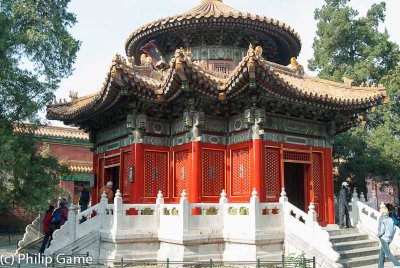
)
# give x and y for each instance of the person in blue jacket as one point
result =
(386, 231)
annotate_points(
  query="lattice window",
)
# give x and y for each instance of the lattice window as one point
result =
(181, 172)
(296, 156)
(213, 172)
(127, 163)
(316, 171)
(221, 68)
(155, 173)
(272, 178)
(112, 161)
(240, 181)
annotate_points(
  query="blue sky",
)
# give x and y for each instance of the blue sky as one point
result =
(103, 27)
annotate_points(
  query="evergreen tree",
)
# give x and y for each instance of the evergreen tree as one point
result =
(36, 52)
(352, 46)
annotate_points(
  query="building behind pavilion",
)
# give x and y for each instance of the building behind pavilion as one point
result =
(204, 101)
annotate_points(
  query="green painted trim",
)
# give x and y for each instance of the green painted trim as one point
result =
(86, 177)
(64, 141)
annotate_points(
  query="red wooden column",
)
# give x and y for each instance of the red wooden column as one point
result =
(95, 189)
(194, 184)
(138, 160)
(258, 168)
(329, 186)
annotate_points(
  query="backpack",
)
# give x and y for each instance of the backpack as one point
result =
(56, 218)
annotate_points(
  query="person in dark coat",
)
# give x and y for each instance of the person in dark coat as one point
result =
(47, 230)
(83, 200)
(344, 206)
(64, 212)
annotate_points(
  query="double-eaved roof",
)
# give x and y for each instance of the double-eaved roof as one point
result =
(256, 70)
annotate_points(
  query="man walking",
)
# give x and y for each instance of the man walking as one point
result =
(83, 200)
(386, 230)
(344, 206)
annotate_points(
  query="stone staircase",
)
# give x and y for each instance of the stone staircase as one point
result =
(355, 247)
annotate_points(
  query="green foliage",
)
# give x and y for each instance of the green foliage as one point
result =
(36, 52)
(28, 178)
(351, 45)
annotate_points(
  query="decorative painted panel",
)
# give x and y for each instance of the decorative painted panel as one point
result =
(272, 174)
(238, 138)
(182, 172)
(156, 141)
(318, 183)
(178, 127)
(296, 156)
(240, 173)
(215, 125)
(214, 139)
(295, 126)
(114, 146)
(282, 138)
(213, 172)
(127, 163)
(238, 123)
(157, 127)
(111, 134)
(155, 173)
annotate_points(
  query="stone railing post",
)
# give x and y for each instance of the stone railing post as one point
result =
(118, 213)
(184, 211)
(159, 202)
(362, 198)
(102, 209)
(40, 227)
(354, 208)
(312, 214)
(283, 200)
(254, 211)
(72, 223)
(335, 199)
(374, 201)
(222, 201)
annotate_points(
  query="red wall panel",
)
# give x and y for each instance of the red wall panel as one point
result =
(181, 172)
(155, 173)
(240, 172)
(272, 174)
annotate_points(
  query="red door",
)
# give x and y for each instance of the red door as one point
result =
(155, 173)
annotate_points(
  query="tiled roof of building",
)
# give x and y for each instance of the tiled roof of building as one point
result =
(288, 83)
(58, 132)
(83, 167)
(216, 9)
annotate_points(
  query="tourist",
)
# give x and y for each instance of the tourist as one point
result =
(60, 215)
(344, 206)
(47, 230)
(386, 230)
(69, 200)
(83, 200)
(109, 192)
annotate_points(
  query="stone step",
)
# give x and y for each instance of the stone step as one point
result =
(348, 237)
(359, 252)
(337, 231)
(365, 261)
(355, 244)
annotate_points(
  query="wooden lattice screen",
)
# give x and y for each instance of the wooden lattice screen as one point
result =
(240, 172)
(181, 172)
(213, 172)
(155, 173)
(272, 174)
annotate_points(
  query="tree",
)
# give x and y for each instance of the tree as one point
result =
(36, 52)
(350, 45)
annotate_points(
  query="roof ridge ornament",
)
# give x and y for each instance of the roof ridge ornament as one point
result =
(297, 67)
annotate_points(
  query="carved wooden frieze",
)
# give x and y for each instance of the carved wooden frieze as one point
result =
(295, 126)
(179, 140)
(112, 133)
(215, 53)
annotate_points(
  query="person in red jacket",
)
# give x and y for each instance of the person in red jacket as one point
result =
(47, 230)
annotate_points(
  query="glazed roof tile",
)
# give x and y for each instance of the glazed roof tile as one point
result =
(207, 9)
(55, 132)
(147, 83)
